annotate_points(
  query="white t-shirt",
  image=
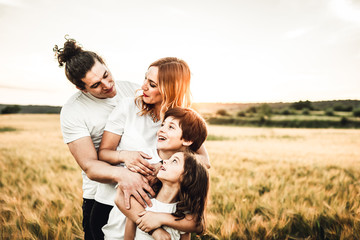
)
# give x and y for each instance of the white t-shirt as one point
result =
(115, 227)
(158, 206)
(137, 133)
(84, 115)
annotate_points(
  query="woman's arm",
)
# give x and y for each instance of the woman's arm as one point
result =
(107, 149)
(134, 160)
(130, 229)
(203, 156)
(154, 220)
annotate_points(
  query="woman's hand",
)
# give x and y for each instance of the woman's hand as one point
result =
(149, 221)
(136, 161)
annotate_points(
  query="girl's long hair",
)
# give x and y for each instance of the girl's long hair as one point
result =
(174, 86)
(194, 188)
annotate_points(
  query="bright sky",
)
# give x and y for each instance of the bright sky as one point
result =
(238, 51)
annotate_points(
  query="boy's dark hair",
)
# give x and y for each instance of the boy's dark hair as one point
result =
(77, 61)
(192, 124)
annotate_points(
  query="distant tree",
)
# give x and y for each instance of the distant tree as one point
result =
(356, 112)
(265, 110)
(329, 112)
(251, 110)
(11, 109)
(285, 112)
(343, 121)
(342, 108)
(302, 104)
(222, 112)
(305, 111)
(241, 114)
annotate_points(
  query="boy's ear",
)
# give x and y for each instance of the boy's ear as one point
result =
(187, 143)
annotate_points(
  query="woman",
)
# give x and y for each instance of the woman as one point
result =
(133, 125)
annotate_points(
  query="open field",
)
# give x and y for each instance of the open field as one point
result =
(266, 183)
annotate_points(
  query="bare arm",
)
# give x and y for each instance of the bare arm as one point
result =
(131, 183)
(134, 160)
(107, 149)
(150, 220)
(130, 229)
(203, 156)
(84, 152)
(157, 220)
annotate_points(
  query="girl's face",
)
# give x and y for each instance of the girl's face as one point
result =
(151, 93)
(172, 169)
(98, 82)
(170, 136)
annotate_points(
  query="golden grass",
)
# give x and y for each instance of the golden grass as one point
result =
(266, 183)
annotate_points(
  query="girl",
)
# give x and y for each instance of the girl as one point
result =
(185, 184)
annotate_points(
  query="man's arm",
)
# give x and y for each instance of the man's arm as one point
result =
(131, 183)
(84, 152)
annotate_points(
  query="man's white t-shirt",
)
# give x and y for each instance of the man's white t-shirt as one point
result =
(84, 115)
(137, 133)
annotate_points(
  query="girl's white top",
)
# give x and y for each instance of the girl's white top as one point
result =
(164, 208)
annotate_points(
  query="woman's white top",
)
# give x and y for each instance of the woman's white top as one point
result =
(137, 133)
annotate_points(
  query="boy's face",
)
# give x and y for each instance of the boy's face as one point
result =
(169, 136)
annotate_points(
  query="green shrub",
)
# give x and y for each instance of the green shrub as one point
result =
(329, 112)
(305, 111)
(302, 104)
(241, 114)
(285, 112)
(251, 110)
(356, 112)
(342, 108)
(11, 109)
(343, 121)
(222, 112)
(265, 111)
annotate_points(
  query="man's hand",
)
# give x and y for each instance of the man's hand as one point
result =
(134, 184)
(149, 221)
(136, 162)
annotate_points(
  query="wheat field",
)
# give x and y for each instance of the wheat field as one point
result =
(266, 183)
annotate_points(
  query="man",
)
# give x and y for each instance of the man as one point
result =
(83, 119)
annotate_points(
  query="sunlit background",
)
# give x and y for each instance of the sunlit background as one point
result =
(238, 51)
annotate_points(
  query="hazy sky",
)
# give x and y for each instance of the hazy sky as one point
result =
(238, 51)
